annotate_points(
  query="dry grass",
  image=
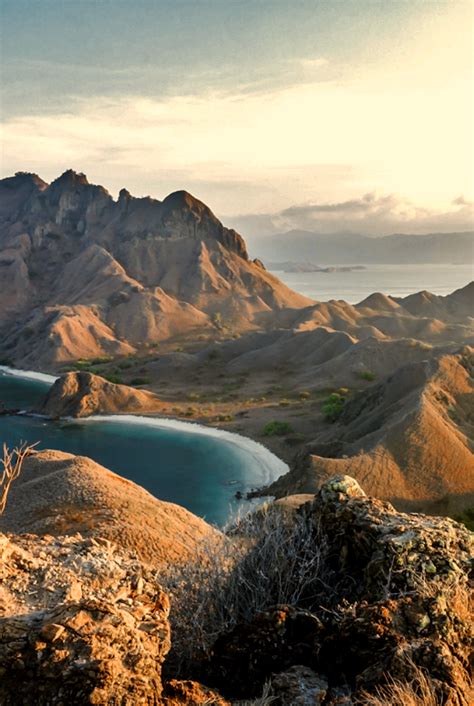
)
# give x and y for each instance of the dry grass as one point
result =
(267, 558)
(266, 699)
(418, 692)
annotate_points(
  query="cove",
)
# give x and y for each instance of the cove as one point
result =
(194, 466)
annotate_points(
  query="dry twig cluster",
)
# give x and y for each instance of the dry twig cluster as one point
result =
(12, 464)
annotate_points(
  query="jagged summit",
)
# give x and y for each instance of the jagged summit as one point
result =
(71, 178)
(88, 275)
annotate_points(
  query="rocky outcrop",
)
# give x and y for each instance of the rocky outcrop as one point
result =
(80, 623)
(395, 598)
(83, 621)
(81, 394)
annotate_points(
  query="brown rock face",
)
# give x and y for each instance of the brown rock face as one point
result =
(105, 646)
(74, 262)
(83, 394)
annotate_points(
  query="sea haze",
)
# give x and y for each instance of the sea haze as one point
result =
(395, 280)
(199, 471)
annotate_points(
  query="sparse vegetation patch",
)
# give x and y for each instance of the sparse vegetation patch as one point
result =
(277, 428)
(333, 405)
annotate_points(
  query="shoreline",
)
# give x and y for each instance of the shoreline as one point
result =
(273, 466)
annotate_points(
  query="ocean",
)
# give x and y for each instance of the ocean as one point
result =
(396, 280)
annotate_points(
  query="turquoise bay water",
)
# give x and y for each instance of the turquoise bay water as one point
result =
(199, 471)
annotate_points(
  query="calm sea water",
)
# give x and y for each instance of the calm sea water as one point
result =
(397, 280)
(198, 471)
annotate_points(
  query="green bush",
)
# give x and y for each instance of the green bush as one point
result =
(332, 406)
(467, 518)
(276, 428)
(116, 379)
(367, 375)
(125, 365)
(140, 381)
(101, 360)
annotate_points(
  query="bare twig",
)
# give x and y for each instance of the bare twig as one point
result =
(12, 464)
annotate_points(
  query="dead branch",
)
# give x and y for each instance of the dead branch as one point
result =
(12, 464)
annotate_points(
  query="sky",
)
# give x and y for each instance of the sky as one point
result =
(327, 115)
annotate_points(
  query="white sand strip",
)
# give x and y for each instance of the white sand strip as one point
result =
(274, 467)
(28, 374)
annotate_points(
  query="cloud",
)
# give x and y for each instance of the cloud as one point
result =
(305, 142)
(310, 63)
(371, 214)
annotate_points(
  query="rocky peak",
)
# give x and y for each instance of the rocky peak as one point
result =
(25, 178)
(70, 179)
(80, 394)
(184, 201)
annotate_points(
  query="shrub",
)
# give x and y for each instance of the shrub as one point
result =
(367, 375)
(267, 558)
(217, 320)
(467, 518)
(332, 406)
(225, 418)
(125, 365)
(101, 360)
(276, 428)
(140, 381)
(116, 379)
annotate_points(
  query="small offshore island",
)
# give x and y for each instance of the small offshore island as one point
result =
(145, 317)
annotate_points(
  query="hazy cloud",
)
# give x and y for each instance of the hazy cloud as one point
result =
(370, 214)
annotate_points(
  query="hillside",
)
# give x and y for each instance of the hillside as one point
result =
(82, 275)
(61, 494)
(408, 438)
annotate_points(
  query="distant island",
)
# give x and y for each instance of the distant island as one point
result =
(358, 249)
(310, 267)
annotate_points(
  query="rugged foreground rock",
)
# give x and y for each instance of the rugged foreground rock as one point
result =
(84, 622)
(80, 623)
(396, 597)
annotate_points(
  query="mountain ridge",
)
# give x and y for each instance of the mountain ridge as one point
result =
(133, 270)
